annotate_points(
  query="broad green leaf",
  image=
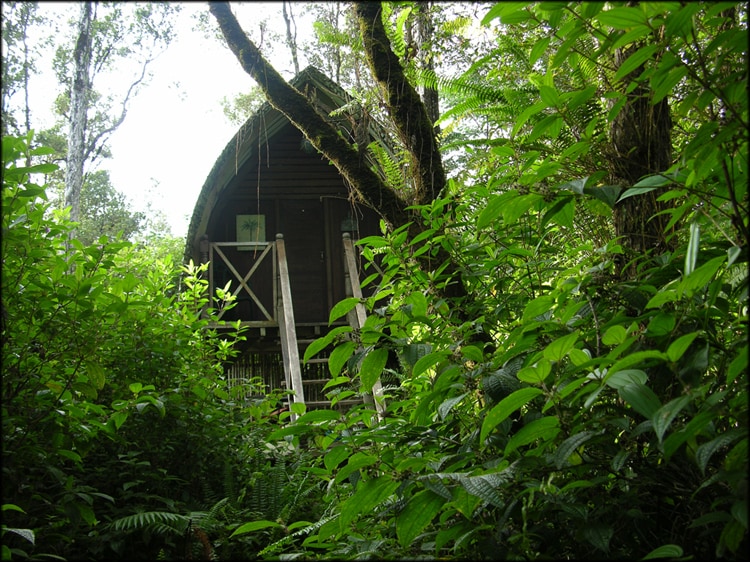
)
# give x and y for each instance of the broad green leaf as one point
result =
(737, 366)
(334, 457)
(635, 359)
(493, 208)
(545, 428)
(420, 510)
(356, 461)
(635, 191)
(473, 353)
(255, 526)
(661, 324)
(665, 551)
(339, 356)
(615, 335)
(678, 347)
(506, 407)
(606, 193)
(664, 416)
(704, 453)
(372, 367)
(517, 206)
(538, 50)
(623, 18)
(537, 373)
(447, 405)
(636, 60)
(598, 534)
(701, 276)
(369, 495)
(628, 376)
(559, 348)
(96, 374)
(549, 95)
(568, 447)
(426, 362)
(693, 428)
(537, 307)
(316, 416)
(641, 398)
(341, 308)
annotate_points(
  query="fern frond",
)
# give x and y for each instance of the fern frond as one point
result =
(274, 547)
(389, 169)
(150, 519)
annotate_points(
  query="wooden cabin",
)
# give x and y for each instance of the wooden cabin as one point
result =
(274, 217)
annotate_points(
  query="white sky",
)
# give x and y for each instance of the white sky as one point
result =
(175, 128)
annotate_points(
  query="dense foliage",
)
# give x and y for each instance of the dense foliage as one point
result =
(582, 401)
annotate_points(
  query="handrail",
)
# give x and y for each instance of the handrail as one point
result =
(268, 247)
(360, 314)
(287, 331)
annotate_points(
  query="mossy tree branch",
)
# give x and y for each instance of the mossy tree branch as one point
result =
(294, 105)
(406, 108)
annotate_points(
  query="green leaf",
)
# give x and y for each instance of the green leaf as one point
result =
(420, 510)
(537, 373)
(635, 191)
(661, 324)
(426, 362)
(665, 551)
(255, 526)
(517, 206)
(615, 335)
(737, 366)
(372, 367)
(341, 308)
(704, 453)
(678, 347)
(316, 416)
(628, 376)
(537, 307)
(95, 374)
(606, 193)
(691, 256)
(369, 494)
(447, 405)
(636, 60)
(568, 447)
(641, 398)
(559, 348)
(506, 407)
(664, 416)
(356, 461)
(599, 535)
(701, 276)
(339, 356)
(545, 428)
(623, 18)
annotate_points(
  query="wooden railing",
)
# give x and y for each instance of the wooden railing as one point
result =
(282, 315)
(359, 315)
(266, 248)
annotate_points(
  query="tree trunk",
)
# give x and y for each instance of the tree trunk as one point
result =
(641, 143)
(79, 102)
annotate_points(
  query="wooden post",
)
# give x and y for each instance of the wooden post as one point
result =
(361, 313)
(287, 330)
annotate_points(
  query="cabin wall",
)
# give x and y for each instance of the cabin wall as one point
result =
(302, 196)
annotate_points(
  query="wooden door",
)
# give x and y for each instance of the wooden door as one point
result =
(301, 221)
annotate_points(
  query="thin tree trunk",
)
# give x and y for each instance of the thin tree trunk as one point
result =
(291, 38)
(79, 94)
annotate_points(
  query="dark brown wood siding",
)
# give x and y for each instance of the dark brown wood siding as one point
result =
(303, 197)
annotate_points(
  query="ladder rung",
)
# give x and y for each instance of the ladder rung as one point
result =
(314, 381)
(322, 360)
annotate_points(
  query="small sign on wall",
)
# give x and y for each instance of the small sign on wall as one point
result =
(250, 228)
